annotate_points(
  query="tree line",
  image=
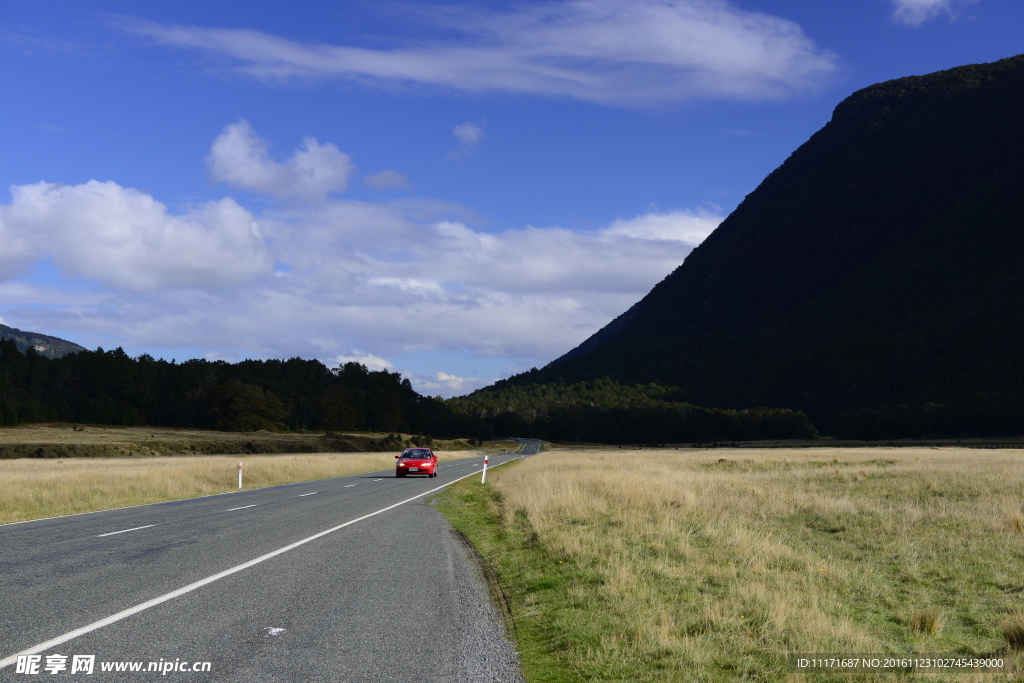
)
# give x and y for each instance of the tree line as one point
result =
(607, 411)
(110, 387)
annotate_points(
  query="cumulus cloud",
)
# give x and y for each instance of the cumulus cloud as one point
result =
(240, 157)
(125, 238)
(388, 278)
(387, 180)
(690, 227)
(336, 279)
(368, 359)
(18, 252)
(917, 12)
(621, 52)
(444, 384)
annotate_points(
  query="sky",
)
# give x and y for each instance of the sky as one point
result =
(457, 192)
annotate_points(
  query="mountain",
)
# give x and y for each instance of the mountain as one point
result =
(45, 345)
(880, 266)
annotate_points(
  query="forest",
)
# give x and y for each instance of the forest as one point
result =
(110, 387)
(607, 411)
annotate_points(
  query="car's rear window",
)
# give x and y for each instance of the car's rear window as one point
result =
(416, 453)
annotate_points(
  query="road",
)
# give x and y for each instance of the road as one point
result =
(346, 579)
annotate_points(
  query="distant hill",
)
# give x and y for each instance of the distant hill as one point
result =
(882, 265)
(45, 345)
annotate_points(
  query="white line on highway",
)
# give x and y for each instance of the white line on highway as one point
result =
(348, 486)
(378, 480)
(124, 531)
(113, 618)
(243, 507)
(303, 495)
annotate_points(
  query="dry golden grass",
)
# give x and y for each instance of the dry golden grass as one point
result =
(926, 621)
(742, 555)
(32, 489)
(1015, 522)
(1013, 630)
(102, 441)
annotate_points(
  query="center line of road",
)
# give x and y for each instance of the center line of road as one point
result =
(124, 614)
(303, 495)
(124, 531)
(349, 486)
(243, 507)
(378, 480)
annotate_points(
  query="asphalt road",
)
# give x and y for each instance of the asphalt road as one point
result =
(391, 597)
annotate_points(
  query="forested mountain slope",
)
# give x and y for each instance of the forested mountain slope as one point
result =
(882, 264)
(44, 344)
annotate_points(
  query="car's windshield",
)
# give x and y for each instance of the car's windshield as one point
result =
(416, 453)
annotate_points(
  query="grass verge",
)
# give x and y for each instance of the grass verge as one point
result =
(696, 566)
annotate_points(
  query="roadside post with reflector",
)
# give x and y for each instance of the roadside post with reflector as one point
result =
(239, 474)
(483, 479)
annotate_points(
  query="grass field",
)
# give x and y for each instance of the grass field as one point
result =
(691, 565)
(36, 488)
(90, 441)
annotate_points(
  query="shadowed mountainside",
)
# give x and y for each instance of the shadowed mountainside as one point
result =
(881, 265)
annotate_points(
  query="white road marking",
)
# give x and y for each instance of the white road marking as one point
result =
(303, 495)
(113, 618)
(124, 531)
(349, 486)
(242, 508)
(378, 480)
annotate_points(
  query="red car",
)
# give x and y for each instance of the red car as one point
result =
(416, 461)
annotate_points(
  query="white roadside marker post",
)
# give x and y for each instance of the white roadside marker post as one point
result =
(483, 479)
(239, 474)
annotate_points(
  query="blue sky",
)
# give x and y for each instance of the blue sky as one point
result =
(455, 191)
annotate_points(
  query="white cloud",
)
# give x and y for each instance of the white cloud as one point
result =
(690, 227)
(335, 279)
(444, 384)
(469, 136)
(630, 53)
(360, 275)
(18, 250)
(916, 12)
(125, 238)
(371, 361)
(240, 157)
(386, 180)
(468, 133)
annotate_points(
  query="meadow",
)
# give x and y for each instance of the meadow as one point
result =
(711, 565)
(67, 440)
(33, 488)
